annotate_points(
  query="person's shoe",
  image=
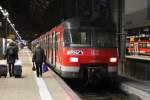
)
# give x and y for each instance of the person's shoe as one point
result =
(40, 75)
(10, 75)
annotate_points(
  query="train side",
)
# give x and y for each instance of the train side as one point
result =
(72, 60)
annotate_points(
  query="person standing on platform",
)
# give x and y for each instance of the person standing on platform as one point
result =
(11, 55)
(38, 58)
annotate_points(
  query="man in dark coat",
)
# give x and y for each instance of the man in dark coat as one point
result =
(11, 55)
(38, 57)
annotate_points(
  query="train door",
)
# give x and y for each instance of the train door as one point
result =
(54, 48)
(48, 46)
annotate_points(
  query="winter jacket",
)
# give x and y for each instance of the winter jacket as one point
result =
(11, 58)
(39, 56)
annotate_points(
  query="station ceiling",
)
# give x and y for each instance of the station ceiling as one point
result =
(28, 16)
(34, 17)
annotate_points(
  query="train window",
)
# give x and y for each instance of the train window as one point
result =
(49, 42)
(89, 37)
(83, 37)
(56, 43)
(77, 38)
(105, 39)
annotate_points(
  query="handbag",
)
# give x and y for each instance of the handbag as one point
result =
(33, 67)
(45, 68)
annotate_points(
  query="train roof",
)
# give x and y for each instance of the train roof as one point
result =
(75, 23)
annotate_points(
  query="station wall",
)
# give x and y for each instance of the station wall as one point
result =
(137, 13)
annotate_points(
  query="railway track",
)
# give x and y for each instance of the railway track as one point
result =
(101, 91)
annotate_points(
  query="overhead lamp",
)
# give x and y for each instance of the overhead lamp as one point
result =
(146, 30)
(6, 14)
(2, 11)
(0, 7)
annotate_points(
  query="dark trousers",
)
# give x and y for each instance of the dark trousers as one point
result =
(11, 68)
(38, 69)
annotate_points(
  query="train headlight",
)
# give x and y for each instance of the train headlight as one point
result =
(74, 59)
(113, 59)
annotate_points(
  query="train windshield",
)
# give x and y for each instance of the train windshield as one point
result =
(89, 38)
(76, 38)
(104, 39)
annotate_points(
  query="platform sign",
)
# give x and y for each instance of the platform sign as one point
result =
(132, 38)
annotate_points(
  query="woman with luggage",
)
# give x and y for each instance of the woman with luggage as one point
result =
(11, 55)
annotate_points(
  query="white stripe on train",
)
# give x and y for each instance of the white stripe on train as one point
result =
(76, 68)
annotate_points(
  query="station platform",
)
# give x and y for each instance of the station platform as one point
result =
(138, 57)
(137, 76)
(137, 66)
(30, 87)
(140, 88)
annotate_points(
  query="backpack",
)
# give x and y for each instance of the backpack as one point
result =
(11, 52)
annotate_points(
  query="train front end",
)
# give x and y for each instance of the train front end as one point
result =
(89, 52)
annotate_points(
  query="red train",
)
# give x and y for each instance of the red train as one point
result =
(76, 49)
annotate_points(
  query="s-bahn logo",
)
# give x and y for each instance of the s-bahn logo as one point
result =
(75, 52)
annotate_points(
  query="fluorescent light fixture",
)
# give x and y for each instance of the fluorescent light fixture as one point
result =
(0, 7)
(74, 59)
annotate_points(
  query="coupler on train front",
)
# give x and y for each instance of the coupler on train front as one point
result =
(91, 73)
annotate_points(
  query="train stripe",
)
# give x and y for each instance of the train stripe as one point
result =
(76, 68)
(70, 68)
(67, 68)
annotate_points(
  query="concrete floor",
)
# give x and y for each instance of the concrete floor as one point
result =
(29, 87)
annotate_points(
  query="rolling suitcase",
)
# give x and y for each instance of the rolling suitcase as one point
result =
(3, 68)
(17, 69)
